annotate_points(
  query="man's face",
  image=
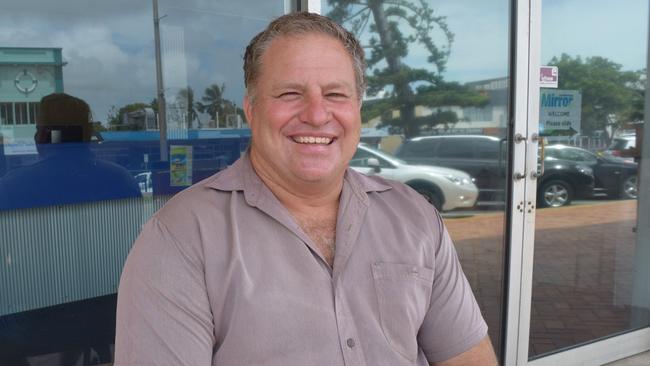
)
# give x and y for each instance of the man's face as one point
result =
(305, 116)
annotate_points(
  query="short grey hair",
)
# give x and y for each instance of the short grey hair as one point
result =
(297, 24)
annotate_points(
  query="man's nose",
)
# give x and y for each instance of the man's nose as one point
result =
(315, 111)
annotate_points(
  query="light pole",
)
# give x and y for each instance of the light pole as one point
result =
(162, 108)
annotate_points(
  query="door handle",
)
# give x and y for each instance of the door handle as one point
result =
(539, 171)
(518, 138)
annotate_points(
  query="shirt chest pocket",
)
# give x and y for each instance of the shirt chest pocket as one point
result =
(403, 293)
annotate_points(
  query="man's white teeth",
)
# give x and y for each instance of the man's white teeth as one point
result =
(312, 140)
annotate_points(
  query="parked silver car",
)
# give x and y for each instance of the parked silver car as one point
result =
(445, 188)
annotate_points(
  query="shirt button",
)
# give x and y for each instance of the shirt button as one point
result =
(350, 342)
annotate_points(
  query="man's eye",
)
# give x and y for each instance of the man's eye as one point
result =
(336, 95)
(289, 95)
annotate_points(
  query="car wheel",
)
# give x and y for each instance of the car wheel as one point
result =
(431, 195)
(555, 193)
(629, 188)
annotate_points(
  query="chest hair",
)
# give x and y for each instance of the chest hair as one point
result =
(322, 231)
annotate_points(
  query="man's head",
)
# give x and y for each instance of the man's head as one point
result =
(304, 79)
(300, 24)
(65, 117)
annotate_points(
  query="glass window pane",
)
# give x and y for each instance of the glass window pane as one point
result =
(590, 271)
(79, 176)
(439, 69)
(417, 148)
(21, 113)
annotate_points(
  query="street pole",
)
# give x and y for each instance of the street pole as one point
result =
(162, 108)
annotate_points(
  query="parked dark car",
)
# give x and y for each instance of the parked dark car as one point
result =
(484, 158)
(615, 177)
(563, 181)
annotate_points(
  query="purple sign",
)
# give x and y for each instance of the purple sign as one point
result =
(548, 76)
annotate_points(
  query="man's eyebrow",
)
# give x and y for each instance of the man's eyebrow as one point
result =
(337, 84)
(300, 86)
(287, 85)
(284, 87)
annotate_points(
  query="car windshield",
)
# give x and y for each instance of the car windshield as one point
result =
(393, 159)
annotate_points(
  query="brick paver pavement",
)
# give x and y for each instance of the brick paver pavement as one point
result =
(582, 276)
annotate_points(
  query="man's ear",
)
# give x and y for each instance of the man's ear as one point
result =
(248, 110)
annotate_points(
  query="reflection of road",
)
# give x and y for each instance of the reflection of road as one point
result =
(582, 271)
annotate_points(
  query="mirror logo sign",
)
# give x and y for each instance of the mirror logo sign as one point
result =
(560, 112)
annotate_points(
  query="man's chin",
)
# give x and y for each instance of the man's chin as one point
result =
(319, 176)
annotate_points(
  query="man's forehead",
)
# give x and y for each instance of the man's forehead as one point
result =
(312, 35)
(307, 41)
(278, 55)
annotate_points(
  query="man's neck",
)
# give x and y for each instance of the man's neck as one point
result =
(313, 205)
(301, 197)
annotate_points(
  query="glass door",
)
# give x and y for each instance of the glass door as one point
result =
(591, 228)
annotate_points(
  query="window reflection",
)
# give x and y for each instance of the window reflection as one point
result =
(590, 256)
(438, 96)
(67, 171)
(62, 249)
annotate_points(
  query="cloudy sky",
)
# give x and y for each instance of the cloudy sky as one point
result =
(109, 47)
(617, 30)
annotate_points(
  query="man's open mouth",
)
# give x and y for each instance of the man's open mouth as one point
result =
(312, 140)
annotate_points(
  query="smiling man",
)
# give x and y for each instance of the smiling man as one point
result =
(288, 257)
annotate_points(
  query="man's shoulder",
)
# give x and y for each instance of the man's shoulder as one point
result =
(204, 194)
(196, 211)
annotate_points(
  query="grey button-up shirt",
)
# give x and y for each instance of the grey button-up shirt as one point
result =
(223, 275)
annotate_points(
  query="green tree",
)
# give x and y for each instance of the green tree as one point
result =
(392, 27)
(189, 106)
(112, 118)
(609, 94)
(213, 101)
(216, 106)
(636, 106)
(99, 127)
(154, 105)
(117, 120)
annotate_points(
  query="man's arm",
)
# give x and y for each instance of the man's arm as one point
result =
(163, 311)
(480, 355)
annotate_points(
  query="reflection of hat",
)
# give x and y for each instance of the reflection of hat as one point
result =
(63, 111)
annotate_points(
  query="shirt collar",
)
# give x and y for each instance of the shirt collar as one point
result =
(242, 177)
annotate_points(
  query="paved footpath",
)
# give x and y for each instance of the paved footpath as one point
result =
(582, 276)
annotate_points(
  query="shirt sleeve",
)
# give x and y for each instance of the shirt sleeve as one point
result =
(163, 312)
(453, 323)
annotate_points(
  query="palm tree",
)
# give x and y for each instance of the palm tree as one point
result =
(186, 99)
(213, 102)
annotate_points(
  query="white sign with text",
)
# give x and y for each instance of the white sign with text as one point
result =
(560, 112)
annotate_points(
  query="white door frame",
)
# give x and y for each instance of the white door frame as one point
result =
(525, 42)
